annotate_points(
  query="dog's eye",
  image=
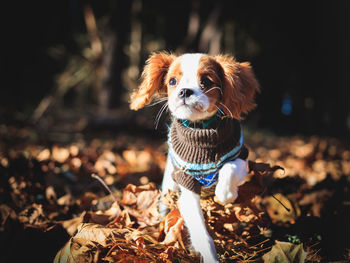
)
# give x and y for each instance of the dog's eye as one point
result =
(172, 82)
(206, 83)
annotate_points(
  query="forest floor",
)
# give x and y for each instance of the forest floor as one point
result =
(53, 205)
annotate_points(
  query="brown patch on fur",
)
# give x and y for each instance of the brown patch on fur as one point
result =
(211, 69)
(240, 86)
(153, 76)
(174, 72)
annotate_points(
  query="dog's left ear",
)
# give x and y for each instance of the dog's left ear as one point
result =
(240, 87)
(152, 83)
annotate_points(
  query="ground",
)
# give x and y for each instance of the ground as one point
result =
(54, 204)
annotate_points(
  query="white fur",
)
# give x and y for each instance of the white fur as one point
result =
(197, 105)
(231, 175)
(191, 212)
(189, 68)
(168, 182)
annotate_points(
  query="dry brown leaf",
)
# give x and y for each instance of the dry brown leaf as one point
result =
(167, 255)
(171, 227)
(96, 233)
(82, 247)
(260, 173)
(65, 255)
(170, 199)
(76, 250)
(285, 252)
(33, 216)
(71, 225)
(244, 214)
(129, 195)
(104, 217)
(142, 203)
(278, 213)
(122, 220)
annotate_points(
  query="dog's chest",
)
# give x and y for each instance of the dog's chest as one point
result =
(198, 154)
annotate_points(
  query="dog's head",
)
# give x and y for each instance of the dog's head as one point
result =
(197, 85)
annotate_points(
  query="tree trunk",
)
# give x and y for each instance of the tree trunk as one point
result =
(114, 59)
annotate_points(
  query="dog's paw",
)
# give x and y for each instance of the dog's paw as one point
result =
(230, 176)
(226, 193)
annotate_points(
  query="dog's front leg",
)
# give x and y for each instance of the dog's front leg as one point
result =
(230, 176)
(192, 214)
(167, 184)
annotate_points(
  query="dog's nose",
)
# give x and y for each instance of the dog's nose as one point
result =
(185, 93)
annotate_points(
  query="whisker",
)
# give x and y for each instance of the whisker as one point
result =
(213, 89)
(227, 109)
(157, 102)
(165, 106)
(219, 109)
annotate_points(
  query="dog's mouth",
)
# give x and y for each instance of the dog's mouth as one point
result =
(192, 106)
(194, 111)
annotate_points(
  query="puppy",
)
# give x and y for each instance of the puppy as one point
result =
(206, 96)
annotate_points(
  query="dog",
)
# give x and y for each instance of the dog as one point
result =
(207, 97)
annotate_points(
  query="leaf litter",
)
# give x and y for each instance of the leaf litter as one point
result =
(294, 206)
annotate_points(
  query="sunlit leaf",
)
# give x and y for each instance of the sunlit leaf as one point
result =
(285, 252)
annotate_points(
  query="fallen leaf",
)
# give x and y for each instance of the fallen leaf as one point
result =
(96, 233)
(122, 220)
(65, 255)
(170, 228)
(244, 214)
(167, 256)
(259, 172)
(103, 217)
(285, 252)
(82, 247)
(278, 212)
(71, 225)
(142, 203)
(33, 216)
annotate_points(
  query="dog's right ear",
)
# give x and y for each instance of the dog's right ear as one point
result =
(152, 83)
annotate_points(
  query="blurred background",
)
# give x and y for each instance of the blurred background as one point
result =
(68, 67)
(70, 64)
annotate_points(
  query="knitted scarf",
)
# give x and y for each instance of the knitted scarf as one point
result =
(198, 154)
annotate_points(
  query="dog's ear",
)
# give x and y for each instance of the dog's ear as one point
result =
(240, 87)
(152, 83)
